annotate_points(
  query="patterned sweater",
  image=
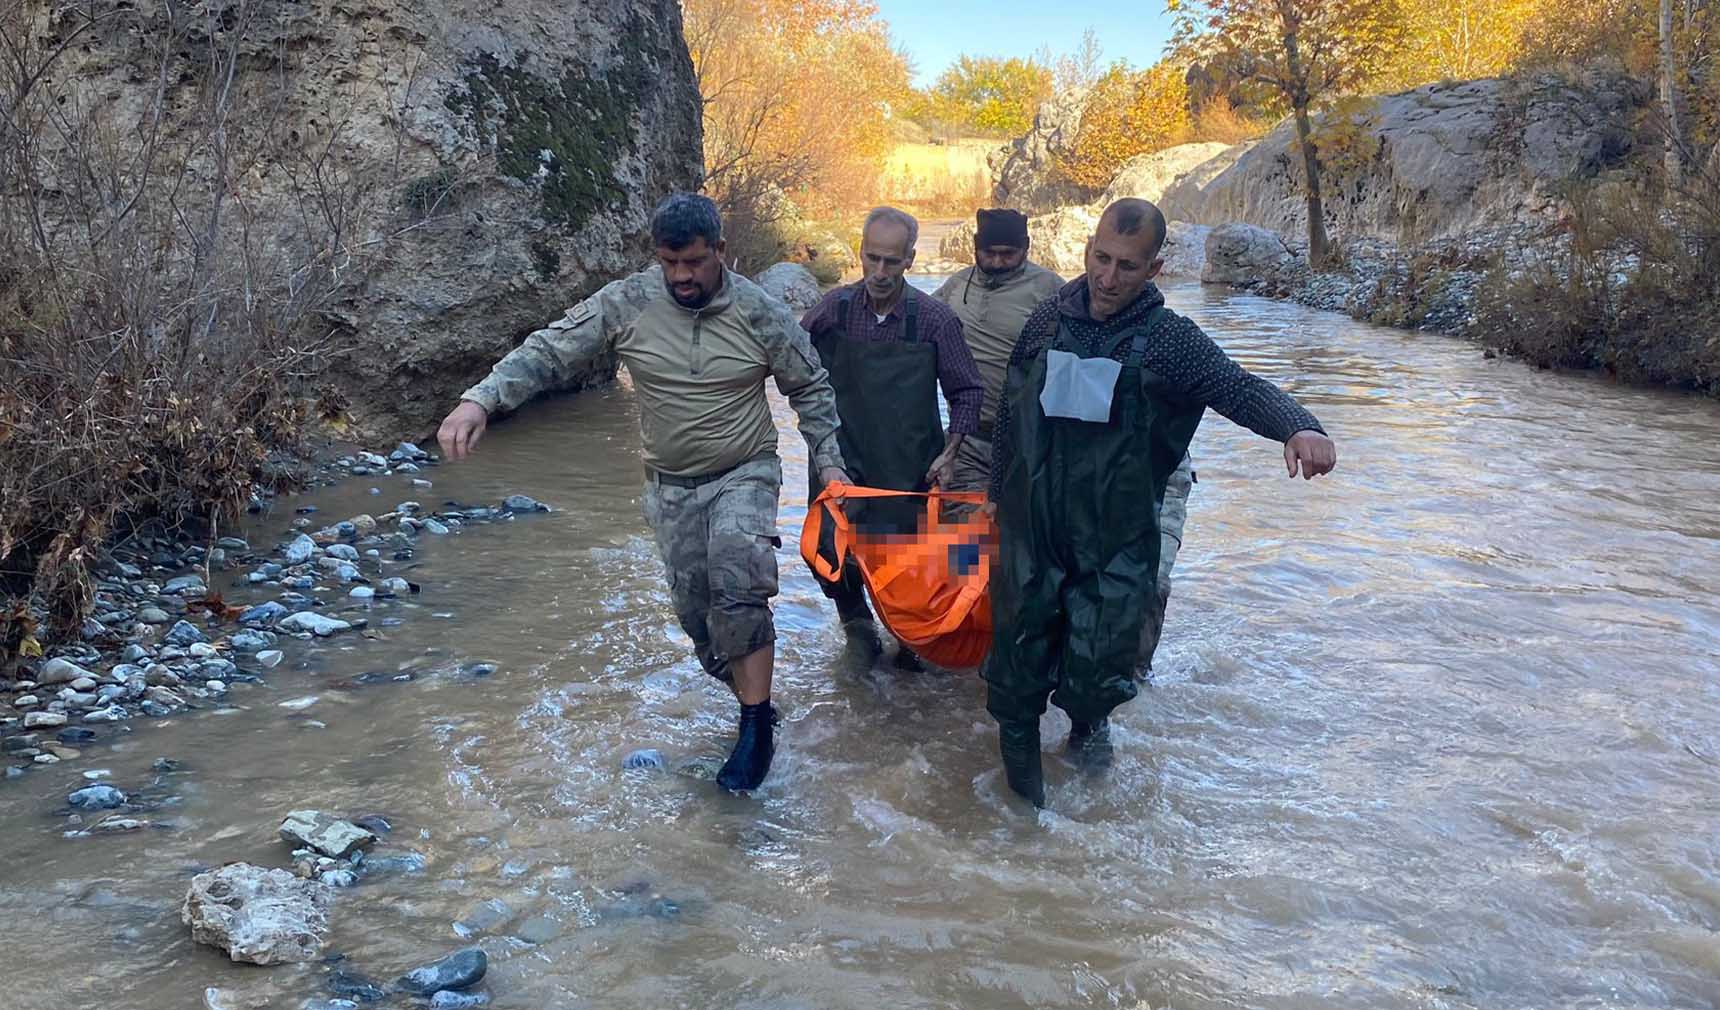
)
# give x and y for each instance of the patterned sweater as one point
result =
(1178, 351)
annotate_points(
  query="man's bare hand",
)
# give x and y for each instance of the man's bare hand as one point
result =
(1311, 452)
(461, 430)
(942, 472)
(833, 475)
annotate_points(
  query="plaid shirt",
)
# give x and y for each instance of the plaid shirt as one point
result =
(936, 324)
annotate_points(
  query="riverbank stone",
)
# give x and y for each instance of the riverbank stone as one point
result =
(257, 915)
(315, 623)
(299, 549)
(332, 836)
(459, 970)
(185, 634)
(60, 671)
(522, 503)
(96, 797)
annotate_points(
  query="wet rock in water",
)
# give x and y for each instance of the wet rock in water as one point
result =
(185, 585)
(645, 758)
(458, 970)
(75, 735)
(250, 641)
(482, 918)
(299, 549)
(374, 823)
(270, 658)
(365, 524)
(202, 650)
(403, 862)
(60, 671)
(156, 709)
(112, 713)
(153, 615)
(704, 768)
(316, 624)
(353, 986)
(407, 452)
(347, 572)
(134, 653)
(434, 527)
(257, 915)
(477, 669)
(185, 634)
(538, 929)
(44, 720)
(332, 836)
(330, 1004)
(165, 765)
(299, 582)
(97, 797)
(344, 552)
(521, 503)
(372, 459)
(450, 1000)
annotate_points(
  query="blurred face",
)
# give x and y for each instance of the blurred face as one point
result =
(998, 259)
(1118, 267)
(693, 273)
(886, 255)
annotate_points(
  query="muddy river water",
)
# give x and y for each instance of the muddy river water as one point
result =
(1441, 731)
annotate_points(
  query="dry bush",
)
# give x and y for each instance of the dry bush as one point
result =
(1634, 289)
(1218, 121)
(159, 308)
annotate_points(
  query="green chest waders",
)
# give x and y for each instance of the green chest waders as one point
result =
(1079, 551)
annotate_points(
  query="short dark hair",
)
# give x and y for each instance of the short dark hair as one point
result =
(683, 217)
(1130, 215)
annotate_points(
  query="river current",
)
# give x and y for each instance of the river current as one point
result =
(1439, 731)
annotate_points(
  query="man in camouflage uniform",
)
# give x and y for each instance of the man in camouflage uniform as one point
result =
(699, 341)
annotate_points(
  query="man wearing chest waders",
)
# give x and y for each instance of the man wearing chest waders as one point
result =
(699, 342)
(1105, 390)
(888, 348)
(993, 299)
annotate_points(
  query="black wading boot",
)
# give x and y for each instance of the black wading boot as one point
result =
(1018, 741)
(754, 747)
(864, 645)
(1090, 744)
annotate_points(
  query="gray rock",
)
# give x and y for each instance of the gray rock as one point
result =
(645, 758)
(447, 999)
(522, 503)
(269, 658)
(329, 1004)
(300, 550)
(345, 552)
(332, 836)
(1242, 255)
(407, 452)
(58, 671)
(1060, 238)
(257, 915)
(362, 593)
(233, 544)
(97, 797)
(372, 459)
(299, 582)
(1185, 250)
(538, 929)
(77, 699)
(432, 526)
(397, 586)
(250, 641)
(458, 970)
(184, 634)
(315, 623)
(483, 917)
(185, 585)
(113, 713)
(791, 284)
(84, 684)
(44, 720)
(1148, 176)
(153, 615)
(135, 653)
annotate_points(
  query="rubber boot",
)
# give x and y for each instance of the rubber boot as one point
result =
(754, 747)
(1018, 742)
(864, 644)
(1090, 744)
(907, 660)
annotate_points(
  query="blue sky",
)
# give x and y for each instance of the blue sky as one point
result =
(935, 32)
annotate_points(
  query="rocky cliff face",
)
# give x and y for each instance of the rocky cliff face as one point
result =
(1446, 160)
(511, 154)
(1024, 172)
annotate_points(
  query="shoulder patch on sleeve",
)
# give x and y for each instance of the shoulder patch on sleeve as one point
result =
(582, 312)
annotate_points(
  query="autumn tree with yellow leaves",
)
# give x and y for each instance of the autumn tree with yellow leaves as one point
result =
(1128, 112)
(797, 95)
(1306, 51)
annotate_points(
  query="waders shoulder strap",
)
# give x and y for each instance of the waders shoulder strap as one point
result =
(911, 321)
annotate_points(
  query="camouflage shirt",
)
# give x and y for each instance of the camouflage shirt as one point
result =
(699, 373)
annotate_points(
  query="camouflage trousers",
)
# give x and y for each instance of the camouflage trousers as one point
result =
(973, 473)
(718, 542)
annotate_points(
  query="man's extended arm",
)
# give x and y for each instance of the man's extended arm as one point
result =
(553, 355)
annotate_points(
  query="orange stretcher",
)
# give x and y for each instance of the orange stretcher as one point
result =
(929, 587)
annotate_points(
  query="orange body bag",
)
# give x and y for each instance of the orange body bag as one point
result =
(930, 587)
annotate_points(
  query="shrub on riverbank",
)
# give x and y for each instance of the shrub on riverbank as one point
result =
(1634, 289)
(159, 323)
